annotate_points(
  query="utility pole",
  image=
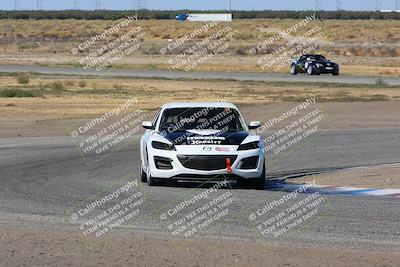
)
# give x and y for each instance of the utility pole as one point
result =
(397, 5)
(98, 4)
(339, 6)
(317, 5)
(38, 4)
(317, 8)
(139, 4)
(378, 5)
(17, 4)
(76, 4)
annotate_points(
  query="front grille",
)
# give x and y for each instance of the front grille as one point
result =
(249, 163)
(205, 163)
(163, 163)
(200, 177)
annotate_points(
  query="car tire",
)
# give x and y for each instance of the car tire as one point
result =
(335, 73)
(310, 70)
(259, 183)
(293, 70)
(151, 181)
(256, 183)
(143, 175)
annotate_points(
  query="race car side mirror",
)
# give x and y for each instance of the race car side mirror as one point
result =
(254, 125)
(147, 125)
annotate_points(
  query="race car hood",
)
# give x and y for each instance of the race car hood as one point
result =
(206, 137)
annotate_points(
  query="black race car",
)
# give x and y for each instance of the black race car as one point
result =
(314, 65)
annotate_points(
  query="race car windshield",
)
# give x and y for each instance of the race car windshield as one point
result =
(318, 57)
(207, 118)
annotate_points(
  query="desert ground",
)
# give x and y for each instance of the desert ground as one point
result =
(46, 247)
(373, 50)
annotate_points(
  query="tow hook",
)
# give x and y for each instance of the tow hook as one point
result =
(228, 165)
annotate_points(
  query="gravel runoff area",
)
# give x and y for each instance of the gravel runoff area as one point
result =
(42, 246)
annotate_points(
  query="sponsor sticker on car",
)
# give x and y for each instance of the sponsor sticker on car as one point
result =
(205, 140)
(222, 149)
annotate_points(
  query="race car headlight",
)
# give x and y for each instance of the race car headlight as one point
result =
(162, 146)
(249, 146)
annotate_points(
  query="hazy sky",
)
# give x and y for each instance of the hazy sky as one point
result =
(201, 4)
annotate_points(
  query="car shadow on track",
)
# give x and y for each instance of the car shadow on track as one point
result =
(274, 181)
(270, 185)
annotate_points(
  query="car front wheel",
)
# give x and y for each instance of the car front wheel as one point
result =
(151, 181)
(256, 183)
(310, 70)
(293, 70)
(143, 175)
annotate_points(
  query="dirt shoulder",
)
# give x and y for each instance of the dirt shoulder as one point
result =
(384, 177)
(344, 116)
(45, 247)
(27, 121)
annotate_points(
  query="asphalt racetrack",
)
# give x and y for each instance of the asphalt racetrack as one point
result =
(238, 76)
(43, 179)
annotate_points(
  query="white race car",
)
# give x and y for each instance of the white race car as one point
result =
(202, 142)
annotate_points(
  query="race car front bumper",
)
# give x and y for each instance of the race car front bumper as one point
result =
(193, 163)
(327, 69)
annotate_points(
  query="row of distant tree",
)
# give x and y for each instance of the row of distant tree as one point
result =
(170, 14)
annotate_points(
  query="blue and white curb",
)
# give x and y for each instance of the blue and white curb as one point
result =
(335, 190)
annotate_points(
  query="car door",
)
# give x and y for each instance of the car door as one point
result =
(301, 65)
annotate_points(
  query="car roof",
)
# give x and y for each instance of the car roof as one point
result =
(198, 105)
(313, 55)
